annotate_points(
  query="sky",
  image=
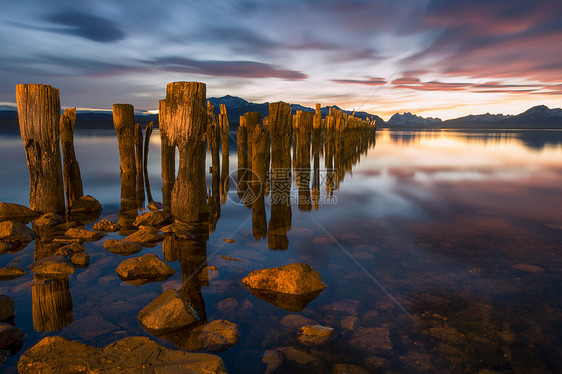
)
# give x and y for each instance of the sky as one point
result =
(434, 58)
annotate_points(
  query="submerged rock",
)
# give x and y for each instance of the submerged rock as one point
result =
(312, 335)
(145, 234)
(169, 311)
(83, 235)
(294, 321)
(349, 369)
(121, 247)
(155, 218)
(10, 272)
(371, 339)
(293, 279)
(180, 230)
(528, 268)
(10, 336)
(55, 266)
(54, 355)
(6, 307)
(15, 232)
(17, 213)
(81, 259)
(218, 335)
(106, 226)
(292, 303)
(147, 267)
(71, 249)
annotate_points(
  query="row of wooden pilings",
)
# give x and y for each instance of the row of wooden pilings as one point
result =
(186, 122)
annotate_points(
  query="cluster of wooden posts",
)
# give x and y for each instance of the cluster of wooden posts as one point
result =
(265, 162)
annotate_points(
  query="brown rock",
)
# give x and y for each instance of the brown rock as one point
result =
(15, 232)
(6, 307)
(298, 356)
(10, 336)
(215, 336)
(169, 311)
(69, 250)
(312, 335)
(106, 226)
(10, 272)
(145, 234)
(121, 247)
(85, 204)
(155, 218)
(294, 279)
(48, 219)
(83, 235)
(229, 240)
(180, 230)
(227, 305)
(349, 369)
(147, 267)
(16, 213)
(447, 335)
(5, 247)
(294, 321)
(273, 358)
(53, 266)
(292, 303)
(54, 355)
(155, 205)
(349, 322)
(81, 259)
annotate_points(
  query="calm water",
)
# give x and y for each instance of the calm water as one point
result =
(441, 251)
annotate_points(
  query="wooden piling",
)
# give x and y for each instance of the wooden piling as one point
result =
(185, 107)
(71, 170)
(38, 114)
(168, 155)
(148, 133)
(138, 140)
(224, 131)
(123, 122)
(260, 166)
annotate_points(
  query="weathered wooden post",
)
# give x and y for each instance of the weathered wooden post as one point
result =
(242, 150)
(38, 114)
(148, 133)
(302, 169)
(71, 171)
(213, 135)
(138, 140)
(260, 166)
(225, 131)
(168, 154)
(316, 149)
(251, 120)
(123, 122)
(280, 129)
(185, 107)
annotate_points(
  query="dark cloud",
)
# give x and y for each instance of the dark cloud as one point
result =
(367, 82)
(241, 69)
(87, 26)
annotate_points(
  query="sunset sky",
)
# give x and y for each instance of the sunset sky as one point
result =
(438, 58)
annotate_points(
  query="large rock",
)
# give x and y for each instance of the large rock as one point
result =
(10, 272)
(10, 336)
(15, 232)
(294, 279)
(169, 311)
(52, 266)
(84, 205)
(54, 355)
(83, 235)
(48, 219)
(70, 249)
(6, 307)
(147, 267)
(121, 247)
(16, 213)
(81, 259)
(155, 218)
(145, 234)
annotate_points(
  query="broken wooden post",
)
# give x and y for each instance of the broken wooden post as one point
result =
(224, 130)
(123, 122)
(71, 171)
(185, 107)
(302, 169)
(251, 119)
(138, 140)
(148, 133)
(242, 150)
(260, 167)
(280, 129)
(213, 137)
(38, 115)
(168, 155)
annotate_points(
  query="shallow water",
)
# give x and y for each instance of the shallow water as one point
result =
(441, 251)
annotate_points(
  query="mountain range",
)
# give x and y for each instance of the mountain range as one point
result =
(534, 118)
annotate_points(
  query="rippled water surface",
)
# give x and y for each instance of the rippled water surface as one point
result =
(441, 251)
